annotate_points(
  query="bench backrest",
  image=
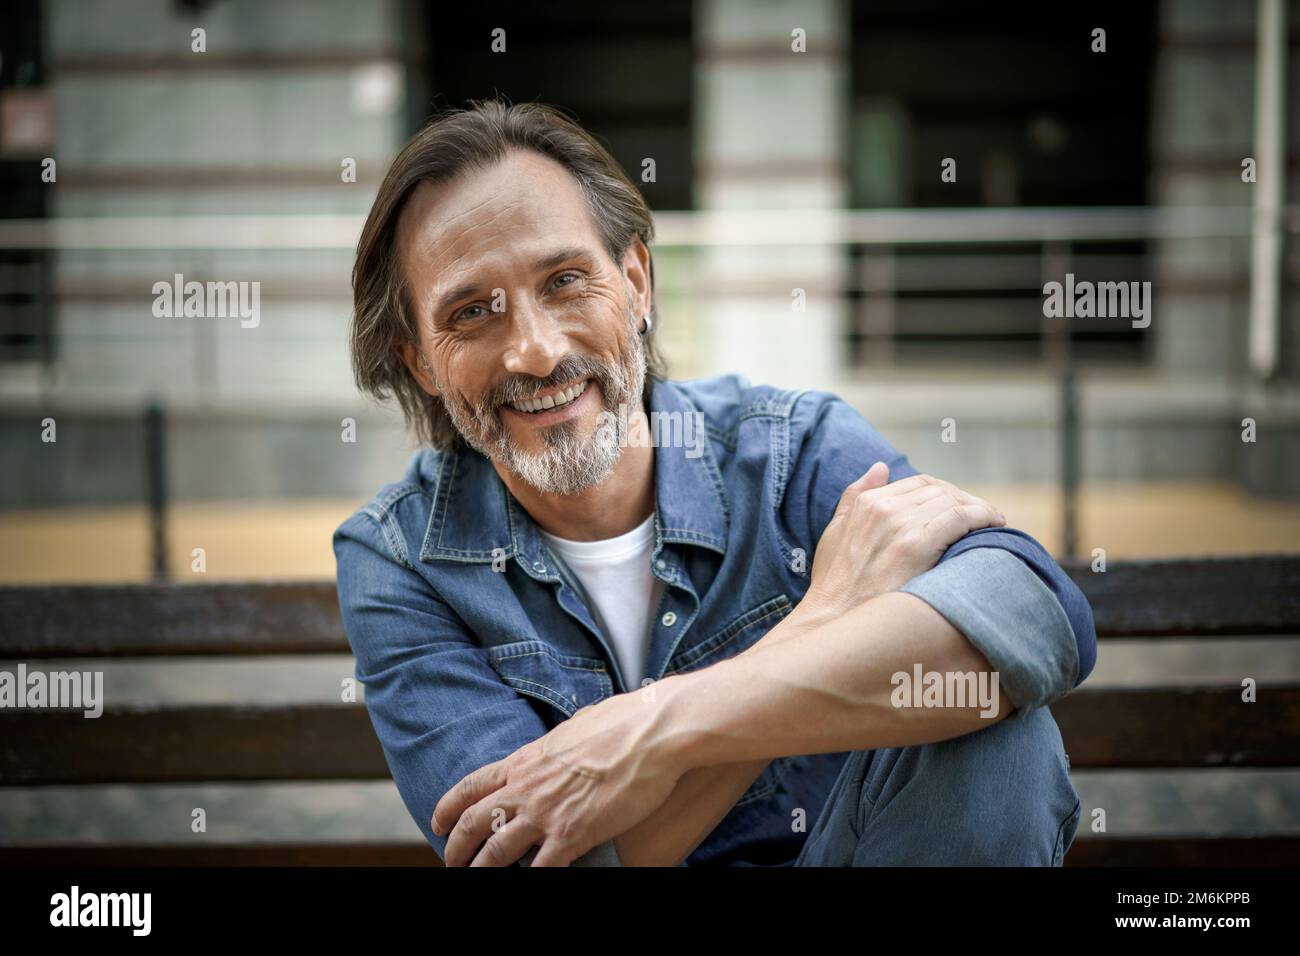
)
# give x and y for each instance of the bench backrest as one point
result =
(1154, 726)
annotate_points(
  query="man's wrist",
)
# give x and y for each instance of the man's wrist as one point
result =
(686, 714)
(675, 733)
(809, 614)
(817, 610)
(694, 722)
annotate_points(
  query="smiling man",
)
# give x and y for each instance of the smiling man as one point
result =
(582, 649)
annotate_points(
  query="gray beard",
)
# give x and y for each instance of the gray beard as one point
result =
(570, 463)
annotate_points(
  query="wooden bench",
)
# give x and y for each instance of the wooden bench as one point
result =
(1137, 728)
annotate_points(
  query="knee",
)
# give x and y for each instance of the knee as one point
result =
(1003, 793)
(1025, 757)
(1014, 781)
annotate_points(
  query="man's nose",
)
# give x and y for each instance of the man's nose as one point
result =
(535, 340)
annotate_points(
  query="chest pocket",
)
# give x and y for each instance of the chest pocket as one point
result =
(728, 641)
(741, 633)
(565, 681)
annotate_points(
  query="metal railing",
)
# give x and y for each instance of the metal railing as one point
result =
(892, 247)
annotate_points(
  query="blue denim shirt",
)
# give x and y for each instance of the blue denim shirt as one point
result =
(470, 642)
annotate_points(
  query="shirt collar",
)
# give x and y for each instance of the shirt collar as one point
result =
(475, 518)
(690, 498)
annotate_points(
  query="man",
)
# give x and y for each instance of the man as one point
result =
(755, 643)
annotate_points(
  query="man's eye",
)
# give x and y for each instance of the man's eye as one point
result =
(465, 312)
(567, 275)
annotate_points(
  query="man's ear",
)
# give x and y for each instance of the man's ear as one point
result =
(640, 273)
(415, 365)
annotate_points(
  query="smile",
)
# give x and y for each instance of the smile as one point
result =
(560, 399)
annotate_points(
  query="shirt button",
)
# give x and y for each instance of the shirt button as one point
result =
(669, 619)
(575, 698)
(661, 564)
(539, 567)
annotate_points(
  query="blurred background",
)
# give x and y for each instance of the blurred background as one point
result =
(773, 171)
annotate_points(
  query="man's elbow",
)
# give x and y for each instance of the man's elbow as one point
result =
(1079, 613)
(1074, 648)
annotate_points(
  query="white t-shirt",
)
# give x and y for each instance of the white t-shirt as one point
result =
(621, 591)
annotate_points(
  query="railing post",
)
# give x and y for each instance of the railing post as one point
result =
(1269, 193)
(156, 481)
(1069, 458)
(1060, 359)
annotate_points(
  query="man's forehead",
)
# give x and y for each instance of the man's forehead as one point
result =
(524, 188)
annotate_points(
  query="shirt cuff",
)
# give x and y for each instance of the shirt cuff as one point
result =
(602, 854)
(1009, 615)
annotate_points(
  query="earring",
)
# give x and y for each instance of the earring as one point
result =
(649, 324)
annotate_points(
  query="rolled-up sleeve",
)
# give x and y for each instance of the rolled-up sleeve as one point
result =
(998, 586)
(1044, 567)
(439, 709)
(1009, 616)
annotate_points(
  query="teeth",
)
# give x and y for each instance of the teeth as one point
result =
(550, 401)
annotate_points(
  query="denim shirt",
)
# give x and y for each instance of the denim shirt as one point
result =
(470, 642)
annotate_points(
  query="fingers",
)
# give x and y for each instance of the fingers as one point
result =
(547, 856)
(876, 476)
(874, 487)
(911, 490)
(510, 842)
(953, 523)
(941, 489)
(925, 522)
(968, 498)
(471, 789)
(903, 504)
(475, 827)
(925, 512)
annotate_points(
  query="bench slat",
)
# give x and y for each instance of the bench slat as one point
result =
(1182, 851)
(170, 620)
(190, 744)
(1086, 851)
(1106, 728)
(1202, 597)
(1180, 727)
(224, 854)
(1194, 597)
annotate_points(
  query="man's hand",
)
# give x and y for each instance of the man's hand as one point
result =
(589, 779)
(882, 535)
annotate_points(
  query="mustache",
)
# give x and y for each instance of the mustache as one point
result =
(576, 367)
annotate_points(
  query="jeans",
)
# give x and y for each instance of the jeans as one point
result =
(1000, 796)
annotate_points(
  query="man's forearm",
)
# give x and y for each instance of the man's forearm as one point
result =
(905, 624)
(704, 795)
(822, 689)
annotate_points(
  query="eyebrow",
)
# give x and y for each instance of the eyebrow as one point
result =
(548, 261)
